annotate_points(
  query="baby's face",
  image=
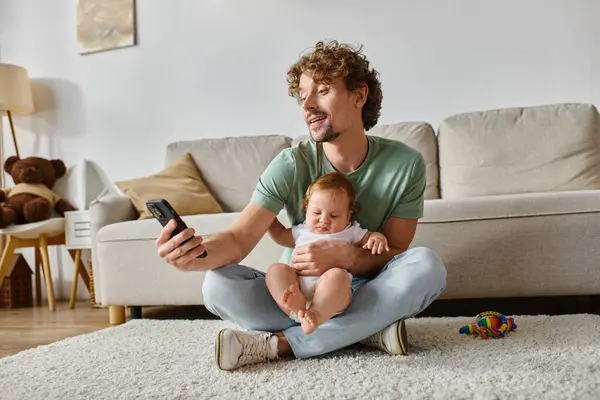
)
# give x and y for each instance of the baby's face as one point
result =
(328, 211)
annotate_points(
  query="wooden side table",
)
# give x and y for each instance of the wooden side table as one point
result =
(78, 237)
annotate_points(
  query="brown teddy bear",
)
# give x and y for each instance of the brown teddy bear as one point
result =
(32, 198)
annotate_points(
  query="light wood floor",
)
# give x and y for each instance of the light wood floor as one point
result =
(25, 328)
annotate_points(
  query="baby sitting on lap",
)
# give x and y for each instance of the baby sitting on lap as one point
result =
(312, 300)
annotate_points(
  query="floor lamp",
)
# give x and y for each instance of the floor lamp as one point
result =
(15, 99)
(15, 96)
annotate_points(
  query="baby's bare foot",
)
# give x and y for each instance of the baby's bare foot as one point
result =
(293, 299)
(308, 320)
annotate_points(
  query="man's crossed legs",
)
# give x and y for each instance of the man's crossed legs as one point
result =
(405, 286)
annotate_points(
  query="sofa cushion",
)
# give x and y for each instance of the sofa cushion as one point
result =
(231, 166)
(418, 135)
(519, 150)
(180, 184)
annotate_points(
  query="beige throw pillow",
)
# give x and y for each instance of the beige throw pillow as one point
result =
(180, 184)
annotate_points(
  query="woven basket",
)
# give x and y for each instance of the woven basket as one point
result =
(92, 294)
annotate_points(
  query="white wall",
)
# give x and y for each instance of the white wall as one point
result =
(215, 68)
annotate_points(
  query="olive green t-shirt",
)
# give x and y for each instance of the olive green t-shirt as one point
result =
(389, 183)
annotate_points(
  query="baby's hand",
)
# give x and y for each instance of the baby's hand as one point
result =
(377, 243)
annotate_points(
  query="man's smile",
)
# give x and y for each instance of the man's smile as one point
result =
(315, 120)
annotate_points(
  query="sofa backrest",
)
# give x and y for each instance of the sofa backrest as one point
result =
(418, 135)
(519, 150)
(231, 166)
(507, 151)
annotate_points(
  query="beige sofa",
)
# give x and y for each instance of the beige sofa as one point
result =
(512, 207)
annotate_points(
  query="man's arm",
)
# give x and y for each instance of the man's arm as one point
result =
(229, 246)
(399, 229)
(236, 242)
(399, 233)
(281, 235)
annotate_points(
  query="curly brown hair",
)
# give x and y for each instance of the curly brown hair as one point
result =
(334, 60)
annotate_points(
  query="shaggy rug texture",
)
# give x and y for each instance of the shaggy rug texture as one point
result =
(550, 357)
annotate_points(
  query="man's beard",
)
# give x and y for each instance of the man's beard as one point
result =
(328, 135)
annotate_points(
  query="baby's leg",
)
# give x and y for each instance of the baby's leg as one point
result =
(284, 286)
(332, 295)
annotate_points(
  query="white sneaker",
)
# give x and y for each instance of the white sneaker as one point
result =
(236, 348)
(392, 340)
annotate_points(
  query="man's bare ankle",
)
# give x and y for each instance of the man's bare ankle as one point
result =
(283, 347)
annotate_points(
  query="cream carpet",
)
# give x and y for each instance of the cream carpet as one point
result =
(554, 357)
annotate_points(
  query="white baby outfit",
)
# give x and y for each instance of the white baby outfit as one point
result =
(302, 236)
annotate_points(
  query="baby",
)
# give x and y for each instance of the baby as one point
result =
(312, 300)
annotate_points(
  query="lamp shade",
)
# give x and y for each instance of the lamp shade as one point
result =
(15, 90)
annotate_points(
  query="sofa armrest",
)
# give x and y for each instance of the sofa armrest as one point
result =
(108, 208)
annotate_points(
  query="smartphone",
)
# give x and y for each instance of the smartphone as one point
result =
(164, 212)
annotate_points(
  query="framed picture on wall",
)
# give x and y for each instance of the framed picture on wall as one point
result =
(105, 25)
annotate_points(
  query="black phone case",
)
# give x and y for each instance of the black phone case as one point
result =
(164, 212)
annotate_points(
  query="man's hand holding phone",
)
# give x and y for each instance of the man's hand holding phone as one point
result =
(182, 250)
(176, 243)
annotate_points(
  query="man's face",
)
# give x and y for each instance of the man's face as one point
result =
(328, 109)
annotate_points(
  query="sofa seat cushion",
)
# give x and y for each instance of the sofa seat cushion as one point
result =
(129, 264)
(418, 135)
(231, 166)
(520, 150)
(204, 224)
(516, 245)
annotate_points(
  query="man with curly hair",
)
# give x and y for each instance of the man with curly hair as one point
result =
(340, 97)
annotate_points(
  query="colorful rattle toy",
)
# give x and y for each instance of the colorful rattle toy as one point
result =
(490, 324)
